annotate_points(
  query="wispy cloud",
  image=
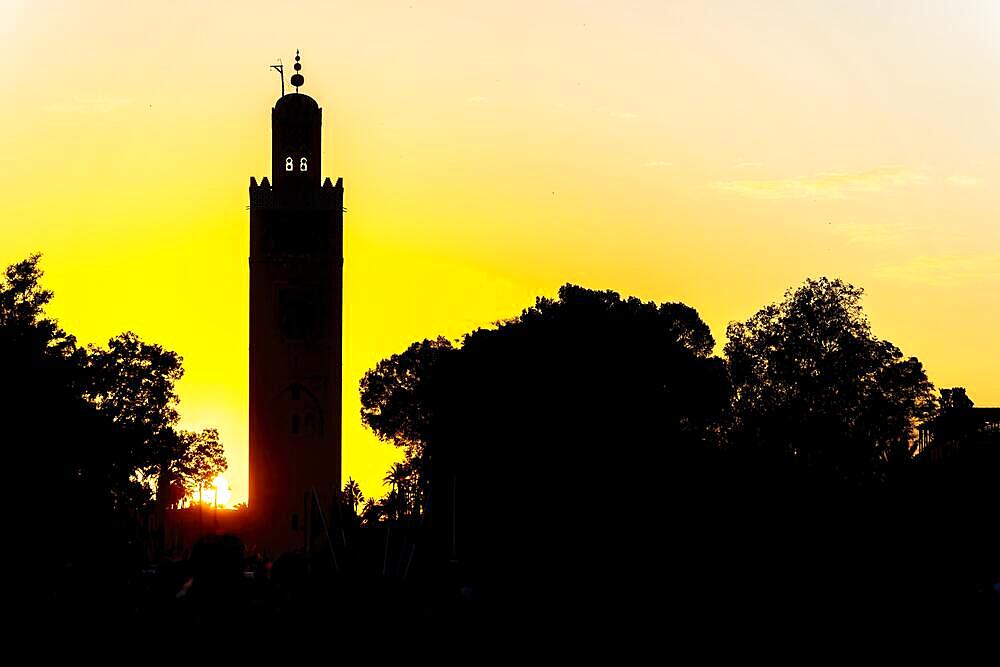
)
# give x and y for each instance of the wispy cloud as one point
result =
(88, 105)
(659, 164)
(749, 165)
(947, 270)
(628, 115)
(478, 99)
(960, 181)
(874, 233)
(826, 186)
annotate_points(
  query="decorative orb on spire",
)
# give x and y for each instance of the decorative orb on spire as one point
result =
(297, 79)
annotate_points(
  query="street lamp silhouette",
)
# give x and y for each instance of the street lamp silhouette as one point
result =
(215, 515)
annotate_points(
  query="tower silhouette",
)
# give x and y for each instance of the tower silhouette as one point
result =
(296, 305)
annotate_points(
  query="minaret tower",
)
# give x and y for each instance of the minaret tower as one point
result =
(296, 310)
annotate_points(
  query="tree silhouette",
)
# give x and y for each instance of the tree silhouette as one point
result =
(403, 499)
(519, 427)
(88, 427)
(41, 396)
(133, 383)
(955, 399)
(73, 463)
(352, 495)
(372, 512)
(813, 384)
(200, 461)
(396, 397)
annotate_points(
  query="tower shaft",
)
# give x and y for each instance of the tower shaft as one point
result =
(296, 312)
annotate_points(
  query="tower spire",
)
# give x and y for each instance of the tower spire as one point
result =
(297, 79)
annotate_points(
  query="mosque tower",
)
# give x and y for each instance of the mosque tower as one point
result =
(296, 312)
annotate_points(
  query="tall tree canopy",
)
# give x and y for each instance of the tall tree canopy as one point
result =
(395, 395)
(812, 383)
(588, 380)
(88, 428)
(197, 460)
(636, 362)
(569, 421)
(43, 411)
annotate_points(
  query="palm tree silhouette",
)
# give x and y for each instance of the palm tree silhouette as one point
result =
(372, 511)
(398, 480)
(353, 495)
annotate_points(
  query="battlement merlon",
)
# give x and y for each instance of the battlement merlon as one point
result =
(266, 184)
(325, 197)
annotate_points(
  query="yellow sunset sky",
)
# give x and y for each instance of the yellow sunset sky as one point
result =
(715, 153)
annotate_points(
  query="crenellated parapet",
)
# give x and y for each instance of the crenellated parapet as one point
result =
(329, 196)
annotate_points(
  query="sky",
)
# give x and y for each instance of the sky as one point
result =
(714, 153)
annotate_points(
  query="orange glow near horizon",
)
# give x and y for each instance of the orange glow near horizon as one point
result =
(714, 153)
(217, 494)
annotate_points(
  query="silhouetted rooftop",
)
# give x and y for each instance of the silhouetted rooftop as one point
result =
(295, 102)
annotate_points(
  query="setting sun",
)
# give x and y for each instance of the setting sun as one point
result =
(218, 494)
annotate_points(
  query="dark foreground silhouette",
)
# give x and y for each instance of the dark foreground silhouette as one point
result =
(591, 459)
(587, 469)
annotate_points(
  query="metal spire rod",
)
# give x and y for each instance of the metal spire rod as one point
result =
(281, 70)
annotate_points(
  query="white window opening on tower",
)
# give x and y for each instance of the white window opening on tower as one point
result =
(303, 165)
(289, 164)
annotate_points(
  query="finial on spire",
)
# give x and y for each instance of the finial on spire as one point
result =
(297, 79)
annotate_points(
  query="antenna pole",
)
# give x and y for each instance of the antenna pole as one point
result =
(281, 71)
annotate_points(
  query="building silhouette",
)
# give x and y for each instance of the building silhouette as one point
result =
(296, 306)
(957, 431)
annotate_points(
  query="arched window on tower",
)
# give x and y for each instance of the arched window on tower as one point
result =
(301, 409)
(289, 164)
(303, 165)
